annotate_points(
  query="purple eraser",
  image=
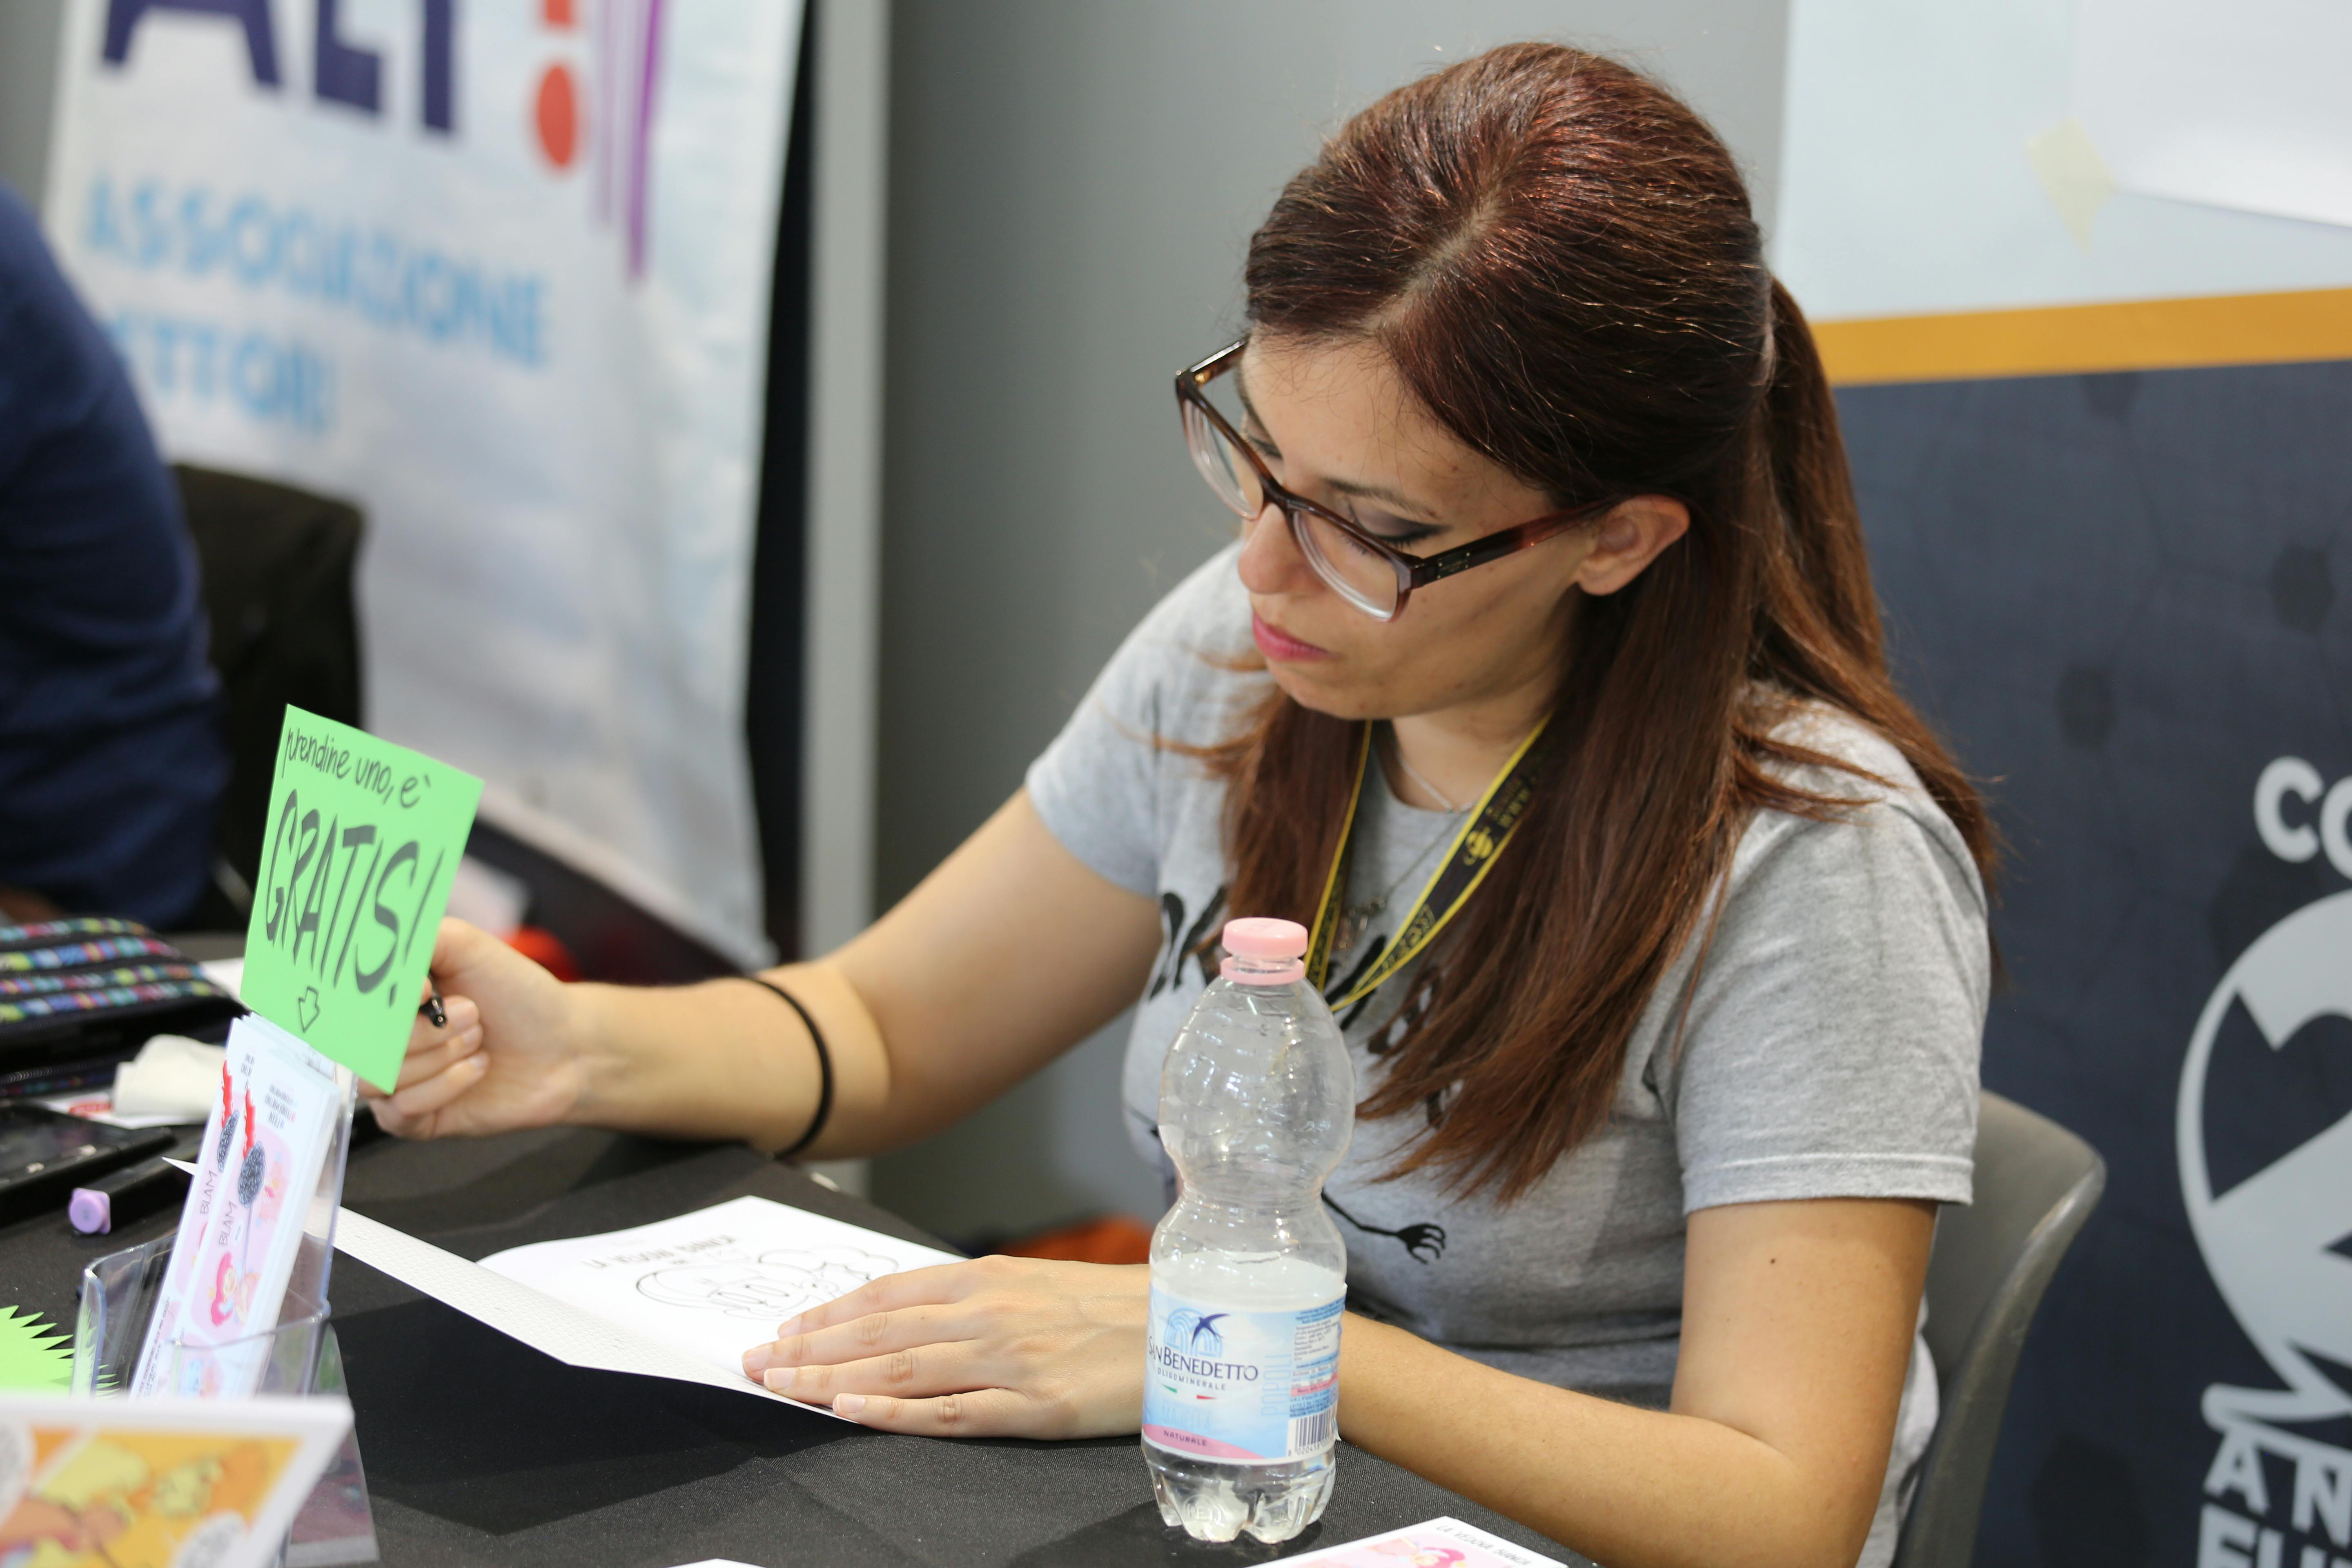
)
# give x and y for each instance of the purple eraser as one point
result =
(92, 1214)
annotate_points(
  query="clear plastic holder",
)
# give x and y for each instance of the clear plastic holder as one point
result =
(119, 1294)
(122, 1291)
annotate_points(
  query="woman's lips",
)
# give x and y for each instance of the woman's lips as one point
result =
(1275, 643)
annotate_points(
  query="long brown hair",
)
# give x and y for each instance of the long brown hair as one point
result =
(1560, 259)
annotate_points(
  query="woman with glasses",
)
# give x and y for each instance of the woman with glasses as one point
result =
(1545, 682)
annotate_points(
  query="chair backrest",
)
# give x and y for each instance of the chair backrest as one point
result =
(2036, 1182)
(277, 565)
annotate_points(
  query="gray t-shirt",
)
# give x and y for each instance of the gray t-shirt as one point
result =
(1829, 1048)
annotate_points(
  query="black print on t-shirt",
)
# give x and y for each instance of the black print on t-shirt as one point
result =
(1195, 942)
(1417, 1004)
(1423, 1243)
(1341, 987)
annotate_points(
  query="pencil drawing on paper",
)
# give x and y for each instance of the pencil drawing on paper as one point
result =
(774, 1285)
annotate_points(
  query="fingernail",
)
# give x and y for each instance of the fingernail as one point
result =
(849, 1405)
(791, 1325)
(755, 1360)
(780, 1379)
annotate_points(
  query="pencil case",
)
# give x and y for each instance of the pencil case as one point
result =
(78, 995)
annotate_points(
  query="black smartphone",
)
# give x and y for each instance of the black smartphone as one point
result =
(45, 1154)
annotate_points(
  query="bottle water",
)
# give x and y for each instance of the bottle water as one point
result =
(1241, 1386)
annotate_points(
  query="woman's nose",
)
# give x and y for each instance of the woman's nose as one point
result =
(1270, 561)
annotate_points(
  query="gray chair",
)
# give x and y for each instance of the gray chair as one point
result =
(2035, 1184)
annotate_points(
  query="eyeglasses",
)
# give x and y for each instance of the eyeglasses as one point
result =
(1366, 570)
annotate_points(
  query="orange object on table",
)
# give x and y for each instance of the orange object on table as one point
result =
(543, 948)
(1113, 1238)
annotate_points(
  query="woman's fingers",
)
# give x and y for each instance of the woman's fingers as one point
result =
(388, 1117)
(424, 1035)
(876, 1333)
(996, 1346)
(424, 1063)
(951, 1390)
(938, 1285)
(422, 1100)
(938, 1367)
(982, 1412)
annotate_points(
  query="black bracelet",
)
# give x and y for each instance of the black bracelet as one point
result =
(823, 1066)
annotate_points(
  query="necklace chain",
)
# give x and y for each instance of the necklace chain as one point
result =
(1413, 773)
(1355, 919)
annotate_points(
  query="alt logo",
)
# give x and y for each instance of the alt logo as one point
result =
(591, 107)
(340, 72)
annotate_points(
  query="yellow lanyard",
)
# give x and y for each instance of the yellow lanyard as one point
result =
(1457, 876)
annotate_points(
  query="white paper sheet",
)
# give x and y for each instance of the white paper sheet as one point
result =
(711, 1284)
(680, 1299)
(98, 1105)
(2239, 106)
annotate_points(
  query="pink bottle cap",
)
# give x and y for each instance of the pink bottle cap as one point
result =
(1260, 952)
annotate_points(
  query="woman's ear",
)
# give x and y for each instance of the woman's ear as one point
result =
(1631, 536)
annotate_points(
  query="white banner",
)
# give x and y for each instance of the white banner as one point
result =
(497, 272)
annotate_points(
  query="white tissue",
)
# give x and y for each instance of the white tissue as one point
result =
(228, 973)
(170, 1076)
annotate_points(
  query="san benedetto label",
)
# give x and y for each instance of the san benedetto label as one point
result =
(1250, 1387)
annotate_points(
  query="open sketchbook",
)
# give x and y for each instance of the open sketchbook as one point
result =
(680, 1299)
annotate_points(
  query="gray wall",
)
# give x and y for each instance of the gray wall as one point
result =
(28, 62)
(1072, 187)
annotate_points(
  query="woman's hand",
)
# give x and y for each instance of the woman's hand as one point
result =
(510, 1056)
(999, 1347)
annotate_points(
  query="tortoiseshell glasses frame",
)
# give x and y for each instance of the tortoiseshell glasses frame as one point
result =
(1367, 571)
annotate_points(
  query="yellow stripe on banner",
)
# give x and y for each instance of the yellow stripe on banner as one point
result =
(2061, 340)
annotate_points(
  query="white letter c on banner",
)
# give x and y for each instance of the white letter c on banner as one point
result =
(2332, 814)
(2293, 776)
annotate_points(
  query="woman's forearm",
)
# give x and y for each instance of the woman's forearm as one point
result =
(729, 1058)
(1628, 1488)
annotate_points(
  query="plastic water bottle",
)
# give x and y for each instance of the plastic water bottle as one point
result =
(1241, 1384)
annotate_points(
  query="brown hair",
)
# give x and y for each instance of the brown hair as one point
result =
(1560, 259)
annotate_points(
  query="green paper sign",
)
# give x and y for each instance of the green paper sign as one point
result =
(365, 839)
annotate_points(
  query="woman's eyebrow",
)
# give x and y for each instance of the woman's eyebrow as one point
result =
(1407, 509)
(1249, 410)
(1405, 506)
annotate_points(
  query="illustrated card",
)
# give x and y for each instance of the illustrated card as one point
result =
(163, 1483)
(264, 1142)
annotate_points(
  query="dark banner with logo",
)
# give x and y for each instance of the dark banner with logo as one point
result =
(2119, 596)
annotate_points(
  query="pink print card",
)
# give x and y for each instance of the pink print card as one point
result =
(276, 1113)
(1440, 1542)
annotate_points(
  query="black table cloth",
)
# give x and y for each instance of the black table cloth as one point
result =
(480, 1451)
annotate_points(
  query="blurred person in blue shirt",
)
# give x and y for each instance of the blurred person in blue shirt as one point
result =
(111, 756)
